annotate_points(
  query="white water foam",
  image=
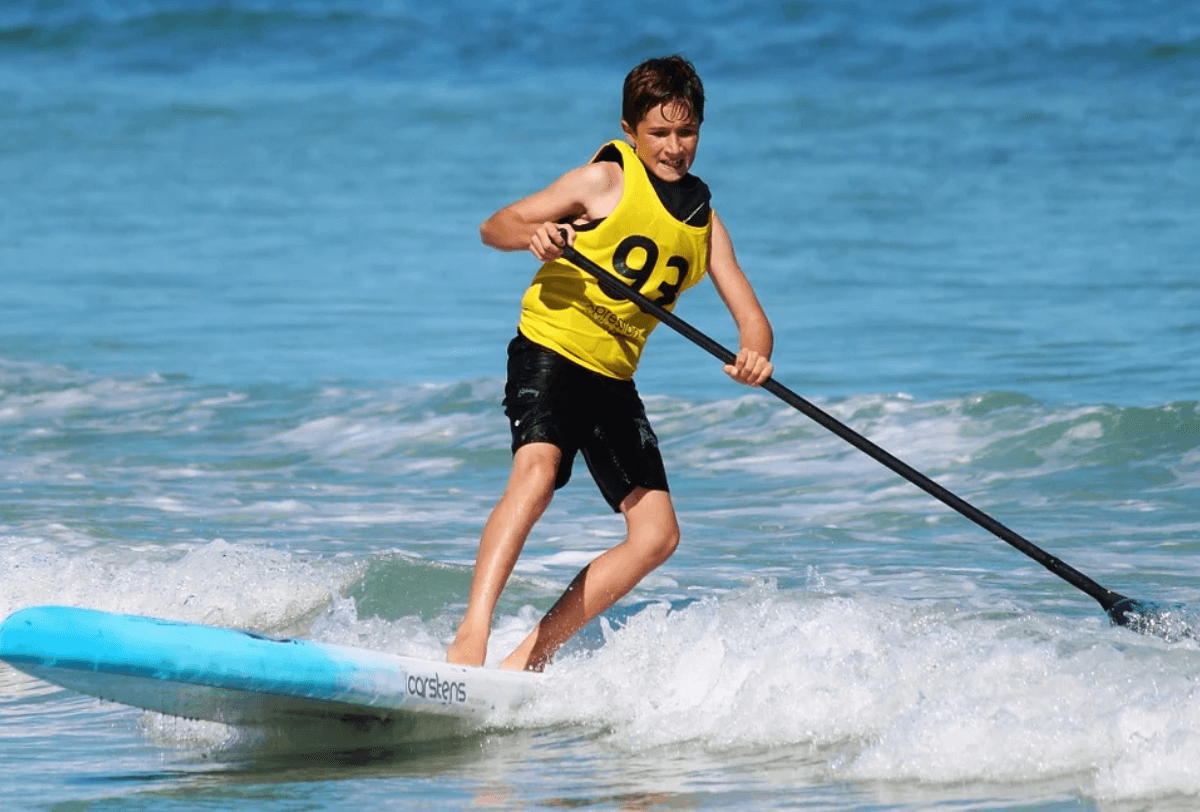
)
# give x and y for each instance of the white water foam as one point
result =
(888, 692)
(218, 583)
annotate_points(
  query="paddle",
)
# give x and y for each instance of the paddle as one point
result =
(1144, 617)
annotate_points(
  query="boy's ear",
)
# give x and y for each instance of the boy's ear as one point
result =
(630, 134)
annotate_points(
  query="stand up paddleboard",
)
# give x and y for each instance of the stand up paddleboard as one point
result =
(242, 678)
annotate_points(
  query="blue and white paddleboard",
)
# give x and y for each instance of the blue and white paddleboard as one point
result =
(242, 678)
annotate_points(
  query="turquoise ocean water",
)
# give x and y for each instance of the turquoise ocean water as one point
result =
(251, 358)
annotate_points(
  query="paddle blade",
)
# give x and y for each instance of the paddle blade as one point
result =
(1172, 622)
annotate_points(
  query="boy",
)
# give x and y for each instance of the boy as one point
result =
(636, 210)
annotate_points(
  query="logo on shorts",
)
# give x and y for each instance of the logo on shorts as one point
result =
(646, 434)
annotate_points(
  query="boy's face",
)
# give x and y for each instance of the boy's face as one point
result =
(665, 140)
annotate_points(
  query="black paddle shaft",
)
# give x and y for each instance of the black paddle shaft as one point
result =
(1106, 597)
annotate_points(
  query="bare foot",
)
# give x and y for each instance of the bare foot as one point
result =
(467, 651)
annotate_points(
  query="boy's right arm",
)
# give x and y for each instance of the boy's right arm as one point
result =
(755, 337)
(533, 222)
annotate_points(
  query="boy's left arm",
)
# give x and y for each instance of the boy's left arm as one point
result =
(755, 338)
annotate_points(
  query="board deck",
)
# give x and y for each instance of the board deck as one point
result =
(243, 678)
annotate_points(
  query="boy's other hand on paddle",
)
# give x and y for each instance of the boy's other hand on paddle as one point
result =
(750, 367)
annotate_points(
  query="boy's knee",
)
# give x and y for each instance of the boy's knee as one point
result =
(659, 543)
(668, 543)
(652, 524)
(535, 466)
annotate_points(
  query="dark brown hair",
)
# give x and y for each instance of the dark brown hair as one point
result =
(663, 80)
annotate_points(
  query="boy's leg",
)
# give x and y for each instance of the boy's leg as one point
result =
(528, 493)
(653, 534)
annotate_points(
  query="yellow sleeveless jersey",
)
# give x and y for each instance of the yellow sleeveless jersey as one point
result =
(567, 311)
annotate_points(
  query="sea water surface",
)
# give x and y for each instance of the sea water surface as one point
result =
(251, 358)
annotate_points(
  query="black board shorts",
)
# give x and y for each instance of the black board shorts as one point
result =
(550, 399)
